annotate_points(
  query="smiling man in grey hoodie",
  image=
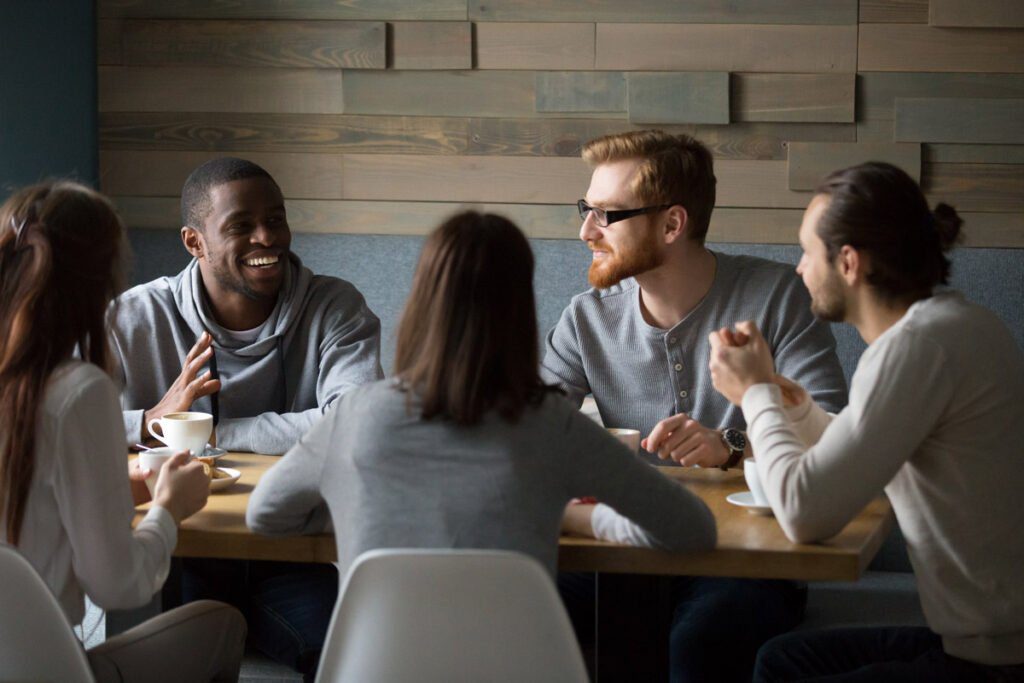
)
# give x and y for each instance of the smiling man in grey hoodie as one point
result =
(247, 333)
(278, 344)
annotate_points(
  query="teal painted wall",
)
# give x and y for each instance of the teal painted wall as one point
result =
(47, 91)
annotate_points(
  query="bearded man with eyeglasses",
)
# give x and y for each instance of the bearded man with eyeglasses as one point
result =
(638, 342)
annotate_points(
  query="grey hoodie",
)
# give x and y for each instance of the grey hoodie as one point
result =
(320, 341)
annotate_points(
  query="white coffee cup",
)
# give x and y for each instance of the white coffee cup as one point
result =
(754, 481)
(153, 460)
(630, 438)
(183, 431)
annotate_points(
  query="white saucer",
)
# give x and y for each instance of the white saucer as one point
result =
(224, 482)
(745, 499)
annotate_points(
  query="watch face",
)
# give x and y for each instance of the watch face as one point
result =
(735, 439)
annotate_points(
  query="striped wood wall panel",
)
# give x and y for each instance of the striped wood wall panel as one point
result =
(809, 162)
(894, 11)
(990, 13)
(262, 43)
(381, 116)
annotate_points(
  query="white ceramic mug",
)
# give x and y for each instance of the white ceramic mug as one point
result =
(754, 481)
(183, 431)
(153, 460)
(630, 438)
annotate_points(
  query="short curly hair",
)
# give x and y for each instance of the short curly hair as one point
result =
(195, 195)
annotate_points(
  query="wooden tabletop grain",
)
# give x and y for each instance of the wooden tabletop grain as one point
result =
(749, 546)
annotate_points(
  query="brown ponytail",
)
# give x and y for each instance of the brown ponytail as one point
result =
(60, 263)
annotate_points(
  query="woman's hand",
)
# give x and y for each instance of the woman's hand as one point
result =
(182, 487)
(137, 477)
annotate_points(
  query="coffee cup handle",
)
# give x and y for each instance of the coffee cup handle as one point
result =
(158, 437)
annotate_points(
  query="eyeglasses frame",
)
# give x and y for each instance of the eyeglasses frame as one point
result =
(616, 215)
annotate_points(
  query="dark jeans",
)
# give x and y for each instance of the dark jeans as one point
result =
(873, 655)
(718, 624)
(287, 605)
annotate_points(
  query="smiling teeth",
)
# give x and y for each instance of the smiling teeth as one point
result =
(262, 261)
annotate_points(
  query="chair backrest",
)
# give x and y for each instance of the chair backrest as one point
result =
(449, 615)
(36, 640)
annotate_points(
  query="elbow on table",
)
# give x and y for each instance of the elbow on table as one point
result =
(707, 538)
(701, 536)
(802, 527)
(262, 521)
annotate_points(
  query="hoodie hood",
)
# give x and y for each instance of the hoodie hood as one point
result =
(191, 299)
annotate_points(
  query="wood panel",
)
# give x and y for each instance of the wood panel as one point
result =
(534, 46)
(434, 10)
(877, 92)
(707, 47)
(227, 89)
(976, 187)
(435, 93)
(987, 13)
(580, 91)
(793, 97)
(678, 97)
(108, 42)
(432, 45)
(320, 134)
(302, 44)
(309, 134)
(875, 130)
(960, 119)
(529, 180)
(909, 47)
(993, 230)
(894, 11)
(809, 162)
(974, 154)
(670, 11)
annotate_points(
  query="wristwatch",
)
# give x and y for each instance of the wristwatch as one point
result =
(735, 441)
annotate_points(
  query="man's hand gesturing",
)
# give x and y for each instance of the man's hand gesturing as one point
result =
(188, 387)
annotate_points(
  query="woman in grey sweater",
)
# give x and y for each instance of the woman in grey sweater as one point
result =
(466, 447)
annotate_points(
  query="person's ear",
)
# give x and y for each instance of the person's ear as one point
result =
(851, 264)
(194, 242)
(677, 220)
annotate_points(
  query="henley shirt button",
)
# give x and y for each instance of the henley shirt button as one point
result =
(671, 340)
(679, 366)
(683, 394)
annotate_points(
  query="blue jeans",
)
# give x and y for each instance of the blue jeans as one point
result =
(870, 655)
(717, 624)
(287, 605)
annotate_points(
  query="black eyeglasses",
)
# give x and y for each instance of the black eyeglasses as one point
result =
(605, 218)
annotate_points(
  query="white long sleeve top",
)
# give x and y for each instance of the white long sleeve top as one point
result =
(77, 527)
(936, 418)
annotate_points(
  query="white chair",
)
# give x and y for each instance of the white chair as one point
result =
(36, 640)
(448, 616)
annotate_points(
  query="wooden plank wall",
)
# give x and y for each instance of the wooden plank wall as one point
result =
(381, 116)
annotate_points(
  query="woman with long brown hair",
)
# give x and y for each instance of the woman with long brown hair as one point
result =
(465, 446)
(65, 498)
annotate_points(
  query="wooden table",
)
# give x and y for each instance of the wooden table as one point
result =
(630, 642)
(748, 545)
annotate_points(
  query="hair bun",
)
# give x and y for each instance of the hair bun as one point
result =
(947, 224)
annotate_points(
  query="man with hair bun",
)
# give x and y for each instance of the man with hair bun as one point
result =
(638, 342)
(936, 420)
